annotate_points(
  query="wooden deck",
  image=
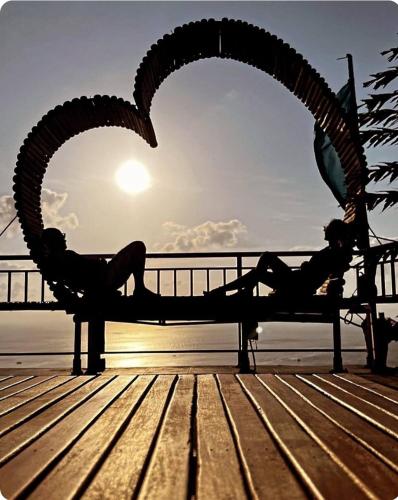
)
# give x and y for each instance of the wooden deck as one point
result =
(208, 436)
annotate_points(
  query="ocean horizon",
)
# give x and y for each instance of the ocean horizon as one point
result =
(53, 332)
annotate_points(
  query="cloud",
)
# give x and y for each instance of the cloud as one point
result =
(207, 236)
(52, 203)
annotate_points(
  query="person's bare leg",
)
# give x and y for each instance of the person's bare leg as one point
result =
(130, 260)
(259, 274)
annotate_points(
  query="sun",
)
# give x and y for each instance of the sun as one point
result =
(133, 177)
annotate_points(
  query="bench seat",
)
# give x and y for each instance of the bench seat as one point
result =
(204, 309)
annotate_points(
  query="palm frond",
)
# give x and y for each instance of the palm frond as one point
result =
(383, 78)
(382, 171)
(376, 101)
(393, 54)
(379, 117)
(379, 136)
(387, 198)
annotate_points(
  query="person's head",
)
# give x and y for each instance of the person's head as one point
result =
(337, 231)
(53, 240)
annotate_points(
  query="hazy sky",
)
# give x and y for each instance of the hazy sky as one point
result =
(235, 166)
(235, 147)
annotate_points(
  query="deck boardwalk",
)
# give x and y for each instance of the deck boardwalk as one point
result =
(205, 436)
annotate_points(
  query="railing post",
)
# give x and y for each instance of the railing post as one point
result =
(9, 287)
(96, 346)
(77, 363)
(337, 359)
(240, 340)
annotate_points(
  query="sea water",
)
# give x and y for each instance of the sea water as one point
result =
(53, 332)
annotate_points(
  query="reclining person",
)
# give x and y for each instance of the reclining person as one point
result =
(333, 260)
(93, 275)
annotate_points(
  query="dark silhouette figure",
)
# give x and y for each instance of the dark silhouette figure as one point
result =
(332, 260)
(93, 275)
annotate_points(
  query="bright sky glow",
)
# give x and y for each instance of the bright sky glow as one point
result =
(133, 177)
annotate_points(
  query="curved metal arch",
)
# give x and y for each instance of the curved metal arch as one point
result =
(53, 130)
(230, 39)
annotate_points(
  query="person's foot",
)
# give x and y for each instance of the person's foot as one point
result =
(145, 293)
(216, 292)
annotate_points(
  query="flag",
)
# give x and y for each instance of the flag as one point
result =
(326, 156)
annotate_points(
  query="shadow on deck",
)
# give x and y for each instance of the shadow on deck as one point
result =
(204, 435)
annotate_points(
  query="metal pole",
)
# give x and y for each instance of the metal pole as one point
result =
(363, 240)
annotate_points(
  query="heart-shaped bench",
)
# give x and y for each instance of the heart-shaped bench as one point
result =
(227, 39)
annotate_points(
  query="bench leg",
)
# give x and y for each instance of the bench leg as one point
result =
(243, 354)
(337, 359)
(96, 346)
(77, 362)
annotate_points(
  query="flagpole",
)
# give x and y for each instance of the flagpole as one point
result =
(353, 118)
(364, 241)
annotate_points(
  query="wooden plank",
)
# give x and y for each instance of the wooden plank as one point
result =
(13, 402)
(375, 416)
(219, 469)
(5, 384)
(389, 381)
(372, 398)
(121, 473)
(369, 385)
(23, 435)
(172, 452)
(23, 386)
(5, 377)
(267, 472)
(373, 477)
(80, 463)
(35, 406)
(379, 443)
(21, 471)
(322, 476)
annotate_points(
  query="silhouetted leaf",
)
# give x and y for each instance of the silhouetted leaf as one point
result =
(383, 78)
(393, 54)
(383, 171)
(388, 198)
(376, 101)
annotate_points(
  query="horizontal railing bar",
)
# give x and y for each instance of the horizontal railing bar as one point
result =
(182, 351)
(192, 255)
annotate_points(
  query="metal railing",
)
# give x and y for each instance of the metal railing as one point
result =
(23, 288)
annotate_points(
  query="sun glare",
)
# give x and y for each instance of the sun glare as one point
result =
(133, 177)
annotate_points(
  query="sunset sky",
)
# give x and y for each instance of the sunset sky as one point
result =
(234, 168)
(235, 147)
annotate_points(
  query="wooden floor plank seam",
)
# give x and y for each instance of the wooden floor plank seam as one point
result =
(173, 448)
(378, 402)
(390, 382)
(193, 452)
(245, 470)
(359, 398)
(5, 377)
(20, 415)
(123, 466)
(17, 469)
(8, 455)
(352, 408)
(82, 456)
(322, 444)
(351, 381)
(285, 451)
(156, 435)
(29, 385)
(80, 491)
(118, 436)
(219, 468)
(11, 383)
(365, 444)
(14, 405)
